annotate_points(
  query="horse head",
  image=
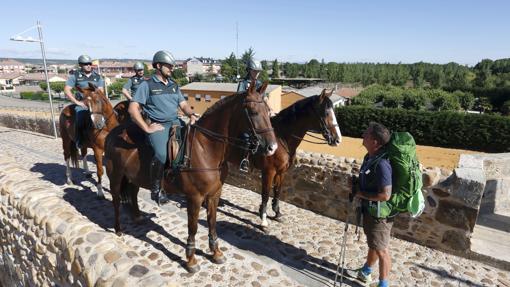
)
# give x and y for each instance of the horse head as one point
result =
(97, 104)
(326, 123)
(256, 120)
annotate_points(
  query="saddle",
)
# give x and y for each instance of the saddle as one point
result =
(177, 146)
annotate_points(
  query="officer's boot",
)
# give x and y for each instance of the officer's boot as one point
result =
(157, 169)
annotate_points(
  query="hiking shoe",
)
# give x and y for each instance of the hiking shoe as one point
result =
(360, 275)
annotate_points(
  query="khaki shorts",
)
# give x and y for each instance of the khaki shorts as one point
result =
(377, 231)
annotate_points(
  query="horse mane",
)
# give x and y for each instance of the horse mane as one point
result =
(219, 104)
(296, 110)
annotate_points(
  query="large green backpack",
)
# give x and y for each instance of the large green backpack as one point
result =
(406, 180)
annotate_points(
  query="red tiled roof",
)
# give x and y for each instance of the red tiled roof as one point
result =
(348, 92)
(10, 76)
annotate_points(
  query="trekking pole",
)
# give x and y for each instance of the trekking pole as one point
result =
(341, 259)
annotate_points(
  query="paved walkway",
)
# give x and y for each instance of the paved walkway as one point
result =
(302, 251)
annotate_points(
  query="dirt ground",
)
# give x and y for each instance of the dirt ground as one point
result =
(428, 156)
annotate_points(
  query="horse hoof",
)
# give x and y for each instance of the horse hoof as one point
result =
(264, 229)
(193, 269)
(100, 197)
(220, 260)
(69, 182)
(118, 233)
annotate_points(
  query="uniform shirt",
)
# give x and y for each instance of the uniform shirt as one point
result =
(382, 174)
(245, 84)
(159, 101)
(79, 79)
(133, 83)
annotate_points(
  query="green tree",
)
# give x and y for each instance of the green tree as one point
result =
(446, 102)
(276, 69)
(115, 88)
(57, 87)
(414, 100)
(466, 99)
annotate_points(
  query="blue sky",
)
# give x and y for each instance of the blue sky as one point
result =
(296, 31)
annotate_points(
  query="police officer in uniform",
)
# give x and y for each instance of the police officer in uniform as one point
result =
(81, 78)
(253, 68)
(160, 98)
(134, 82)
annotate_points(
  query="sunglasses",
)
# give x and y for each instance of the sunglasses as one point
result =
(87, 64)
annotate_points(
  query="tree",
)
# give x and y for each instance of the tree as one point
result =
(276, 69)
(446, 102)
(57, 87)
(505, 108)
(466, 99)
(116, 87)
(414, 100)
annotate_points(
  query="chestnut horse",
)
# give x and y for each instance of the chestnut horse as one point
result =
(121, 110)
(314, 114)
(102, 120)
(209, 142)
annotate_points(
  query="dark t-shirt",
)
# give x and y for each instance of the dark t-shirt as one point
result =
(383, 174)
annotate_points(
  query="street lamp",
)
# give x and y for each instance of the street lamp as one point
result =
(19, 38)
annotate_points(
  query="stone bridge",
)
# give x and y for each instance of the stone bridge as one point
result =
(57, 234)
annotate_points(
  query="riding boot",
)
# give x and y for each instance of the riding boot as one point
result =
(157, 169)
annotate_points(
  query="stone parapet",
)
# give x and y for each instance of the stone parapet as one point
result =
(321, 183)
(45, 241)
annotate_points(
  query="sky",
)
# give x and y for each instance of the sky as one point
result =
(296, 31)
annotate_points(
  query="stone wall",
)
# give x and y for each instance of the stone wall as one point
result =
(45, 241)
(321, 183)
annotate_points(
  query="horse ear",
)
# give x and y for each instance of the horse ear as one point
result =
(323, 95)
(92, 86)
(263, 88)
(252, 86)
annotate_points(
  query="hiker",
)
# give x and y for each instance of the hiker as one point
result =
(390, 183)
(375, 186)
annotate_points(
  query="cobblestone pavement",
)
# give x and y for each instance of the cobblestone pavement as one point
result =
(301, 251)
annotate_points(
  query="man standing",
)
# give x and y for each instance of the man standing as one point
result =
(81, 78)
(375, 188)
(160, 98)
(129, 89)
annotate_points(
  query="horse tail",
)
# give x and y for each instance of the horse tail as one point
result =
(74, 154)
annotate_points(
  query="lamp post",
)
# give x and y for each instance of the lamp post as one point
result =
(43, 51)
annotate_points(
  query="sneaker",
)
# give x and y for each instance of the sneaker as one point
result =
(360, 275)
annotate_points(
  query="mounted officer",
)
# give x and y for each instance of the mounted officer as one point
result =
(160, 98)
(129, 89)
(81, 78)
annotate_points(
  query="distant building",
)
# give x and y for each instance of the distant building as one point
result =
(202, 95)
(33, 79)
(201, 66)
(8, 81)
(11, 66)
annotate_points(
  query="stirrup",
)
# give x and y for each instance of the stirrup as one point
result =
(245, 165)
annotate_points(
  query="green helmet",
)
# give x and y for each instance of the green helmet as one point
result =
(164, 57)
(138, 66)
(84, 59)
(253, 65)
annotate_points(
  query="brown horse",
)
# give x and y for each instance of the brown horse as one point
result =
(314, 114)
(102, 120)
(209, 142)
(121, 110)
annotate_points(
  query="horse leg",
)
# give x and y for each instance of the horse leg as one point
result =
(68, 152)
(212, 205)
(276, 197)
(88, 174)
(194, 203)
(98, 154)
(267, 179)
(133, 194)
(115, 186)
